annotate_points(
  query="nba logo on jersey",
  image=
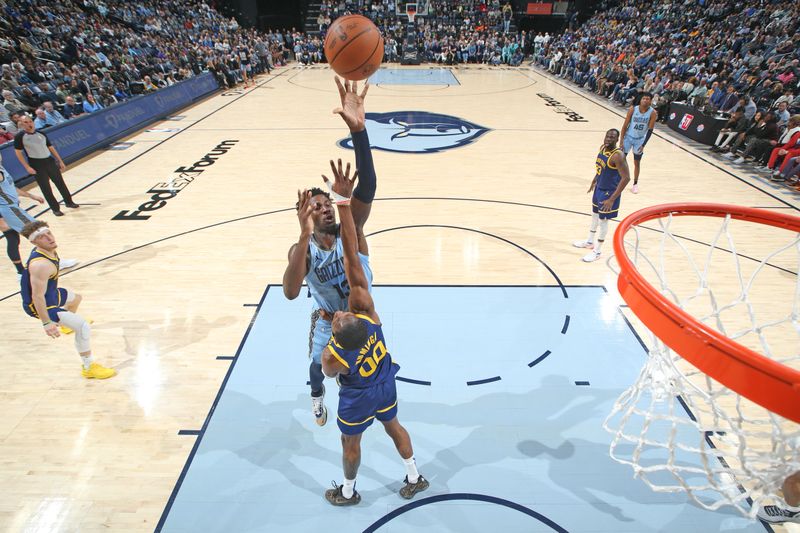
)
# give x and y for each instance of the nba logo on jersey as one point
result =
(417, 132)
(686, 121)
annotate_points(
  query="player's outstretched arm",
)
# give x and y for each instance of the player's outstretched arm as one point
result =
(359, 300)
(353, 113)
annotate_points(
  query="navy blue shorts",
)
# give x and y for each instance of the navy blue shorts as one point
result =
(54, 305)
(597, 203)
(359, 407)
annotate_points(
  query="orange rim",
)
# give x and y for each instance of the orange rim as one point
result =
(755, 376)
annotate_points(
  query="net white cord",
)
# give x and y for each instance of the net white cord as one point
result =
(670, 426)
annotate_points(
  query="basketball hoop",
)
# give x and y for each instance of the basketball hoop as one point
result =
(715, 409)
(411, 12)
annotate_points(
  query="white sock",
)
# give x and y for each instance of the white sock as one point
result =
(411, 469)
(602, 235)
(597, 246)
(590, 239)
(348, 487)
(87, 361)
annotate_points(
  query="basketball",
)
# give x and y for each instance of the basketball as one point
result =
(354, 47)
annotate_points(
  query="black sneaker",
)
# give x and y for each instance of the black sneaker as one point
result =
(410, 489)
(779, 515)
(335, 496)
(71, 205)
(58, 213)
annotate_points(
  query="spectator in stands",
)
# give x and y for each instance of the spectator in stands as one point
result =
(5, 135)
(90, 105)
(12, 104)
(508, 13)
(782, 114)
(41, 120)
(788, 147)
(71, 109)
(39, 157)
(737, 125)
(52, 115)
(46, 93)
(763, 137)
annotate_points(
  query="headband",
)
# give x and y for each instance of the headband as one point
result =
(33, 236)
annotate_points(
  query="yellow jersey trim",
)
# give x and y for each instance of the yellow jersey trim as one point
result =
(346, 423)
(388, 408)
(47, 256)
(336, 355)
(368, 319)
(614, 151)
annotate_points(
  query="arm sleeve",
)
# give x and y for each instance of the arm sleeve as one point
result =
(647, 137)
(47, 140)
(18, 141)
(367, 181)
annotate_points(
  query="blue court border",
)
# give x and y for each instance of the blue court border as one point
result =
(442, 497)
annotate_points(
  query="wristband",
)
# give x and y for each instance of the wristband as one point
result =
(337, 198)
(45, 324)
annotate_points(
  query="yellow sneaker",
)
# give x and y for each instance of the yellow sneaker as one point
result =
(68, 331)
(98, 371)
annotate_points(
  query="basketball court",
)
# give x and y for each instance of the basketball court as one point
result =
(512, 350)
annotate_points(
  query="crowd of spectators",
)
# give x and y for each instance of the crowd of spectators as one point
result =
(452, 32)
(740, 61)
(62, 59)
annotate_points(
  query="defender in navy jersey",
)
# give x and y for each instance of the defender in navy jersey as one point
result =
(43, 299)
(358, 354)
(317, 256)
(636, 131)
(610, 179)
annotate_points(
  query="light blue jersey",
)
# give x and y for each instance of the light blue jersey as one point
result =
(328, 285)
(8, 191)
(10, 211)
(326, 278)
(637, 129)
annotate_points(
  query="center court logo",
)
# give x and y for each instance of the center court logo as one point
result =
(417, 132)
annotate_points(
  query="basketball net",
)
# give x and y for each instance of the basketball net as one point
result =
(411, 12)
(679, 428)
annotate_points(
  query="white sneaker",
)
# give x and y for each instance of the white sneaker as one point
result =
(319, 409)
(738, 161)
(583, 244)
(64, 264)
(779, 515)
(591, 256)
(635, 188)
(729, 155)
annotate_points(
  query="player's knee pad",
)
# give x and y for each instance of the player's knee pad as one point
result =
(603, 229)
(83, 336)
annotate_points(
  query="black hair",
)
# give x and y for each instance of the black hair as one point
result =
(614, 129)
(314, 192)
(645, 93)
(352, 334)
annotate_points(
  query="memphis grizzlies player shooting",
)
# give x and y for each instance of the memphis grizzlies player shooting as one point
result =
(317, 256)
(357, 353)
(636, 131)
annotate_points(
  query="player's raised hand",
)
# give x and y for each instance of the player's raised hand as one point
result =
(352, 108)
(304, 210)
(342, 185)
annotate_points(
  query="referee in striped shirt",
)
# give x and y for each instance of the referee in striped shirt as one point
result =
(43, 161)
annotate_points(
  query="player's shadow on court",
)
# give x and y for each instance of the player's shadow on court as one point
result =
(271, 437)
